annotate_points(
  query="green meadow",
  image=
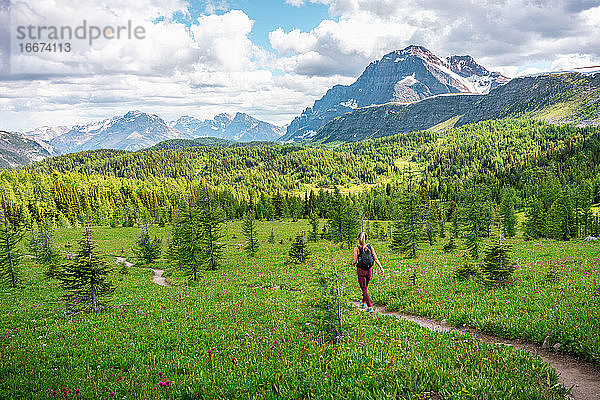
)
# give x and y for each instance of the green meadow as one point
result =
(248, 330)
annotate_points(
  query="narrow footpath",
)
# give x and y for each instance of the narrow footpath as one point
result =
(582, 376)
(158, 277)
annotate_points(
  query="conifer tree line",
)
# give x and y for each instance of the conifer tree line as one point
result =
(555, 211)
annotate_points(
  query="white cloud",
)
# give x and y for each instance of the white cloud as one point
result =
(210, 65)
(500, 34)
(222, 41)
(574, 60)
(295, 3)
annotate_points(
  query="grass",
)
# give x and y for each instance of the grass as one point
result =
(232, 335)
(554, 293)
(445, 125)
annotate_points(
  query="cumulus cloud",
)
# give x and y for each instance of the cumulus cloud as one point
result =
(501, 34)
(210, 64)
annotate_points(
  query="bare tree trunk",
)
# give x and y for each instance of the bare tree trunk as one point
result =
(212, 257)
(13, 278)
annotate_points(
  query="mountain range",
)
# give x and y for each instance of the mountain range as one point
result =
(137, 130)
(406, 90)
(240, 128)
(17, 150)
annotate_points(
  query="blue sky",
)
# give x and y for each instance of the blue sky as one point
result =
(267, 15)
(270, 59)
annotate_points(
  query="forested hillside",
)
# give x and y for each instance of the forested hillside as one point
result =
(259, 165)
(525, 158)
(556, 98)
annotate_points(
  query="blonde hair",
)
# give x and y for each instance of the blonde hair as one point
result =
(362, 240)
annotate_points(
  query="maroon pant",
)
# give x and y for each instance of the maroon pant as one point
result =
(364, 277)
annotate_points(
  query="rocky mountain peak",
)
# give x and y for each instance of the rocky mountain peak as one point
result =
(223, 118)
(408, 75)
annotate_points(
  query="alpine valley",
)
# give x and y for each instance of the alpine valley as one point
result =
(406, 90)
(212, 259)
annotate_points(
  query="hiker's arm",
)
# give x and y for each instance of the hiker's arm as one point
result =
(377, 260)
(355, 257)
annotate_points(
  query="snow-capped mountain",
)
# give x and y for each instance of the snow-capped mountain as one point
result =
(47, 133)
(407, 75)
(195, 128)
(132, 131)
(479, 77)
(241, 128)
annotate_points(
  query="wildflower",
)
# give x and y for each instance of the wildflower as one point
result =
(160, 373)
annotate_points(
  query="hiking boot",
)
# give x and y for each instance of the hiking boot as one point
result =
(370, 310)
(361, 305)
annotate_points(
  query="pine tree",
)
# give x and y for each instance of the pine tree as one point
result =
(314, 224)
(85, 277)
(210, 222)
(509, 219)
(406, 233)
(249, 230)
(442, 226)
(337, 214)
(271, 238)
(397, 241)
(10, 237)
(474, 218)
(429, 214)
(298, 251)
(42, 246)
(455, 229)
(187, 237)
(497, 266)
(535, 220)
(351, 224)
(278, 205)
(377, 229)
(563, 216)
(147, 249)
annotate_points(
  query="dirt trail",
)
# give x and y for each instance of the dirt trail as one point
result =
(158, 278)
(583, 377)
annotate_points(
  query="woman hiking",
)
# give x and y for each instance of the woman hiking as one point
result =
(364, 257)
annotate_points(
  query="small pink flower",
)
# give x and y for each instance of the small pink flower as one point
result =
(154, 388)
(112, 394)
(160, 373)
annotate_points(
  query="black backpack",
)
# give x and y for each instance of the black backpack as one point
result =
(365, 258)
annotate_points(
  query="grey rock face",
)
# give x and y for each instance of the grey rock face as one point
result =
(242, 128)
(407, 75)
(390, 119)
